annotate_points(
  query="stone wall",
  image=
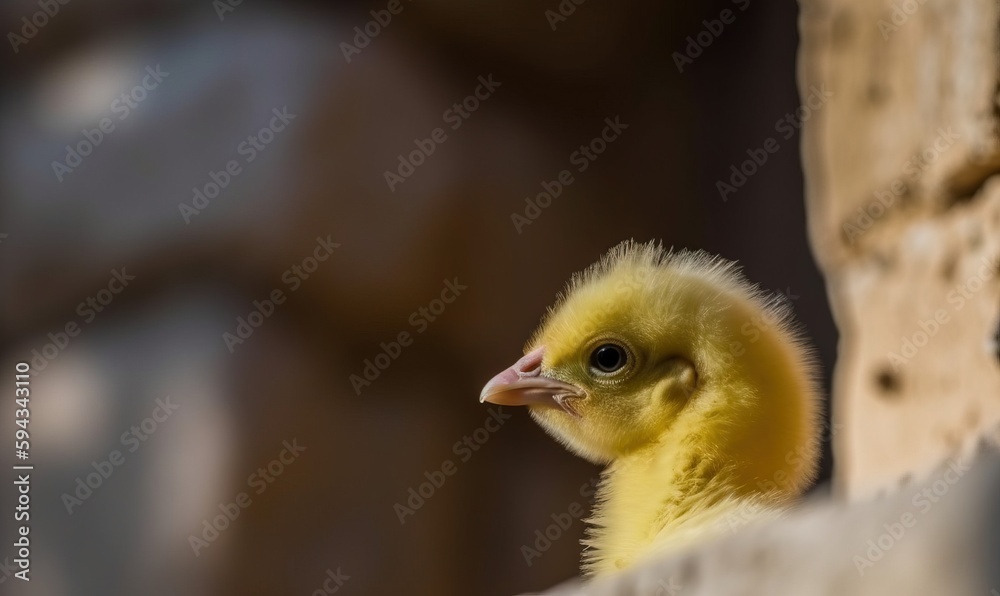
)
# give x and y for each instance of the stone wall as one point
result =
(903, 195)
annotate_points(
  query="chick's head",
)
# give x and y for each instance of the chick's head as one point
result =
(611, 367)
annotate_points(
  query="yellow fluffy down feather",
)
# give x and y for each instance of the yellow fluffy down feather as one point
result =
(690, 384)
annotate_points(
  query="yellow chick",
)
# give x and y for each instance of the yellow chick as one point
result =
(691, 385)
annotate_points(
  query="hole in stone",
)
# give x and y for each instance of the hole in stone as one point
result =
(948, 270)
(965, 184)
(887, 381)
(877, 93)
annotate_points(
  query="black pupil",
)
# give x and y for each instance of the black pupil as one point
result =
(608, 358)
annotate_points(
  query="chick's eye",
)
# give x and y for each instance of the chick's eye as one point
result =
(608, 358)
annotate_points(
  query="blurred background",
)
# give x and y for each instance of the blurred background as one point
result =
(206, 230)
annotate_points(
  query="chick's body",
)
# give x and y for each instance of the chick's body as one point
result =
(688, 382)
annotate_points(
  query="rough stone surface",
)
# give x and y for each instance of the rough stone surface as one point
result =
(903, 194)
(941, 541)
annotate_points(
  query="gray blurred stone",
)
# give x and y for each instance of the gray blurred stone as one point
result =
(943, 541)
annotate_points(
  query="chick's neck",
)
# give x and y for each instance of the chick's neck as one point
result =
(661, 495)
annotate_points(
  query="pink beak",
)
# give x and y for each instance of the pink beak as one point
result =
(523, 385)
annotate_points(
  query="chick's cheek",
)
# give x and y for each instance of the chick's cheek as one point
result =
(679, 380)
